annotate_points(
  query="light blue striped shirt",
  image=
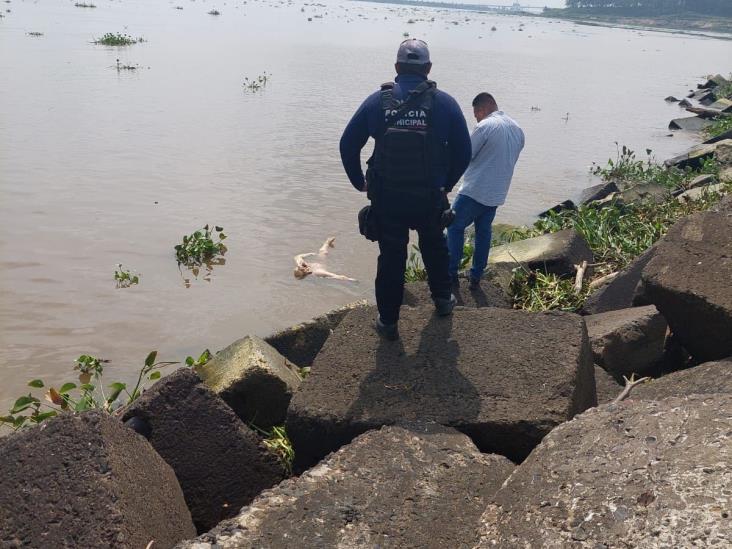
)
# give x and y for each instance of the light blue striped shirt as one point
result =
(497, 142)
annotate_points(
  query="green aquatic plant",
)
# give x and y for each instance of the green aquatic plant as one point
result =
(256, 84)
(201, 246)
(214, 12)
(124, 67)
(202, 359)
(88, 394)
(124, 277)
(117, 39)
(35, 33)
(84, 5)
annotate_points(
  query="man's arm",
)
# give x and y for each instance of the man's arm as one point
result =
(460, 145)
(353, 139)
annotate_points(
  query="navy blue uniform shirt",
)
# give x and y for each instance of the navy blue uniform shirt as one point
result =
(448, 124)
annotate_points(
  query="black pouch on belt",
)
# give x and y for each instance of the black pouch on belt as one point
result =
(368, 225)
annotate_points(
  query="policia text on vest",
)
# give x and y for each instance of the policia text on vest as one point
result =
(422, 147)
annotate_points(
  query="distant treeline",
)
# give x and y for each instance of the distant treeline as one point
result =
(655, 7)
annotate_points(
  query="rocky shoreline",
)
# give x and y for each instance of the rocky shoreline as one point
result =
(683, 23)
(494, 427)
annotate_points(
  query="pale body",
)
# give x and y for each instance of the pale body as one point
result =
(304, 268)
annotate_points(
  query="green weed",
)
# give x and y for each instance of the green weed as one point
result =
(539, 291)
(415, 269)
(84, 5)
(719, 126)
(277, 442)
(125, 278)
(88, 394)
(117, 39)
(214, 12)
(35, 33)
(200, 247)
(258, 83)
(627, 170)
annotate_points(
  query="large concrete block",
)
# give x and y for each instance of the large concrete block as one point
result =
(301, 343)
(598, 192)
(420, 487)
(644, 192)
(697, 193)
(628, 341)
(707, 378)
(221, 463)
(554, 253)
(254, 379)
(490, 294)
(694, 157)
(503, 377)
(622, 291)
(87, 481)
(635, 474)
(688, 280)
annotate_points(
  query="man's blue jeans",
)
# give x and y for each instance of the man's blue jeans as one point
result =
(468, 211)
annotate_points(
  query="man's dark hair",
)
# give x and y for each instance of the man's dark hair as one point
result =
(484, 99)
(409, 68)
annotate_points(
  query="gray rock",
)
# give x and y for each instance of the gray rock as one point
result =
(671, 99)
(701, 192)
(701, 181)
(707, 378)
(598, 192)
(397, 487)
(718, 138)
(556, 253)
(688, 279)
(634, 474)
(606, 386)
(713, 82)
(723, 105)
(562, 206)
(724, 205)
(87, 481)
(490, 294)
(645, 192)
(689, 123)
(707, 99)
(254, 379)
(693, 157)
(506, 388)
(204, 441)
(685, 103)
(301, 343)
(723, 152)
(725, 176)
(622, 291)
(628, 341)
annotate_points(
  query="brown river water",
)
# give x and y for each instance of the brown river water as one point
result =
(100, 167)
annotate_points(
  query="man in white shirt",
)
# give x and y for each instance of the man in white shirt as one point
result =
(497, 141)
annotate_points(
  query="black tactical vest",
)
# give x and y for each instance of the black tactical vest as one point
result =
(403, 157)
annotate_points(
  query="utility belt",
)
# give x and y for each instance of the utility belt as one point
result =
(414, 205)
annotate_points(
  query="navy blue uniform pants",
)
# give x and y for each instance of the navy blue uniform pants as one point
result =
(393, 247)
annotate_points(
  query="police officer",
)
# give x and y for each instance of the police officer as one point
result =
(422, 147)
